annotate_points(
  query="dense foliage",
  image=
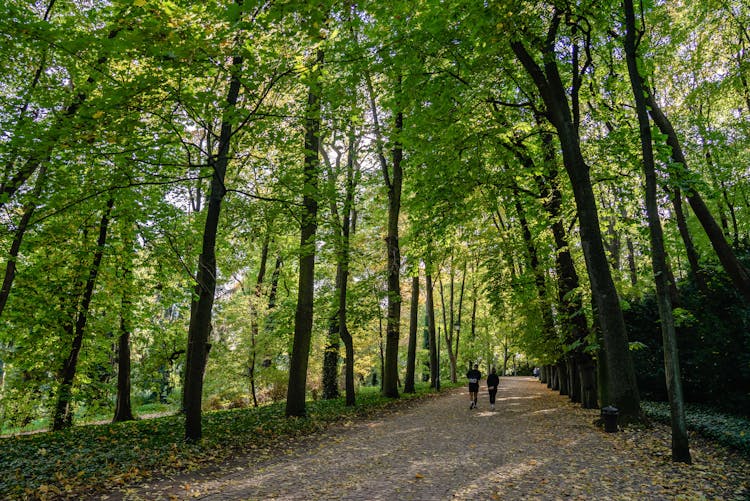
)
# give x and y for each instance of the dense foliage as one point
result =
(161, 160)
(714, 341)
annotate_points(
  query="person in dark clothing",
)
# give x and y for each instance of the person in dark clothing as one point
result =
(493, 382)
(473, 376)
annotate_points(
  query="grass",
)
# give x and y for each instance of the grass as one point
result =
(42, 424)
(90, 458)
(732, 431)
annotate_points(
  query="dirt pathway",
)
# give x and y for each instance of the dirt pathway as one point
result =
(536, 445)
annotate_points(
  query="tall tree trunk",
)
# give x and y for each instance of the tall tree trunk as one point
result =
(562, 377)
(506, 350)
(347, 227)
(736, 271)
(448, 327)
(274, 283)
(699, 273)
(474, 301)
(331, 350)
(254, 313)
(632, 270)
(63, 416)
(202, 307)
(331, 357)
(426, 346)
(680, 448)
(342, 231)
(411, 355)
(623, 389)
(123, 408)
(390, 377)
(15, 246)
(572, 317)
(545, 308)
(434, 369)
(381, 348)
(457, 325)
(393, 180)
(295, 400)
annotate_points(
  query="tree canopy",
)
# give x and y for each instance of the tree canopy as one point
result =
(225, 191)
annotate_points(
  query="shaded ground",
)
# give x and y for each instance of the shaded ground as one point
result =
(536, 445)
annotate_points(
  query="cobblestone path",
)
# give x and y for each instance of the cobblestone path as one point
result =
(535, 445)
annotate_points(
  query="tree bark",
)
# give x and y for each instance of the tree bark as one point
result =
(448, 328)
(390, 376)
(331, 358)
(411, 355)
(295, 402)
(572, 318)
(347, 227)
(63, 416)
(123, 408)
(562, 377)
(15, 246)
(622, 383)
(457, 325)
(699, 274)
(393, 180)
(680, 448)
(434, 369)
(202, 306)
(254, 313)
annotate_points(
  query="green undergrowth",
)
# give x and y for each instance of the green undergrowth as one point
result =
(732, 431)
(87, 459)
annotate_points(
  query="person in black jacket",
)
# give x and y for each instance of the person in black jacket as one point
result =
(473, 376)
(493, 382)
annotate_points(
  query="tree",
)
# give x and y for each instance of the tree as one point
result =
(295, 402)
(411, 355)
(622, 387)
(202, 304)
(434, 366)
(123, 408)
(393, 179)
(63, 414)
(680, 447)
(343, 225)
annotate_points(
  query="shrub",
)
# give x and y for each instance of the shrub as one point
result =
(713, 337)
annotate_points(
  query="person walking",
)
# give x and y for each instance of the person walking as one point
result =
(473, 376)
(493, 382)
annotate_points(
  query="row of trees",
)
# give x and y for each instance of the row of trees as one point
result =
(219, 190)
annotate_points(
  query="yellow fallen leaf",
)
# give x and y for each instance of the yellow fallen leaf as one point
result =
(418, 475)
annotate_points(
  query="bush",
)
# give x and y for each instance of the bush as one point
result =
(713, 337)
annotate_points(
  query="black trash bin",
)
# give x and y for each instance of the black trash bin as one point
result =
(609, 415)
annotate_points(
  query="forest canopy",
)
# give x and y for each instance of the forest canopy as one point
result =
(215, 204)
